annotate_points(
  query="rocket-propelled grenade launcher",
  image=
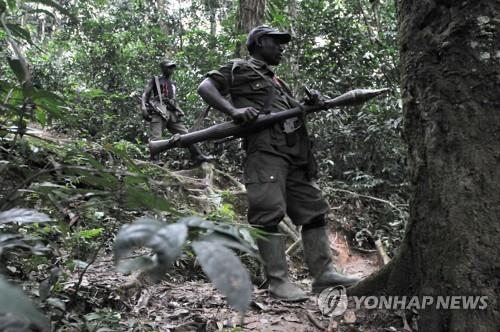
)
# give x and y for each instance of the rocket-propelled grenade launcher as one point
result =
(227, 129)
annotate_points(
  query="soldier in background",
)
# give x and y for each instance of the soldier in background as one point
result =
(159, 107)
(280, 168)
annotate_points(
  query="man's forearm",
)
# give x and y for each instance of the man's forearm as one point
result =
(144, 100)
(212, 96)
(146, 95)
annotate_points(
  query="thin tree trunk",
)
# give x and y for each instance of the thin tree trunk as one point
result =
(213, 21)
(294, 64)
(161, 11)
(250, 14)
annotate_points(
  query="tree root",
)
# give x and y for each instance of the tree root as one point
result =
(237, 183)
(395, 278)
(284, 226)
(374, 284)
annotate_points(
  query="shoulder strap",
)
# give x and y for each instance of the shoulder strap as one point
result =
(158, 88)
(270, 96)
(288, 93)
(236, 64)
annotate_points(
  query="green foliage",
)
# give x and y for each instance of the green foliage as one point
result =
(79, 70)
(22, 216)
(166, 241)
(17, 240)
(211, 247)
(224, 268)
(225, 213)
(13, 301)
(99, 318)
(89, 234)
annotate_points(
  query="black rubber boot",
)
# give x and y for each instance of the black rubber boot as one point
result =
(272, 251)
(197, 156)
(155, 159)
(318, 258)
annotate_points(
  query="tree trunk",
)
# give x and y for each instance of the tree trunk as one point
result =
(213, 22)
(296, 83)
(450, 62)
(250, 14)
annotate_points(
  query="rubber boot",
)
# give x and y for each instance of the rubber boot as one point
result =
(155, 159)
(318, 258)
(272, 251)
(197, 156)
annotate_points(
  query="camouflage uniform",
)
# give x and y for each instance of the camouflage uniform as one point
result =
(171, 117)
(175, 123)
(279, 167)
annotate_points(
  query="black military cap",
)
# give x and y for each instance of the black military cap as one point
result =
(256, 33)
(168, 63)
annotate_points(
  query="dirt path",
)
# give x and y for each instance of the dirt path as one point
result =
(352, 261)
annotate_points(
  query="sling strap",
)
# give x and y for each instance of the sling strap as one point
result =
(158, 88)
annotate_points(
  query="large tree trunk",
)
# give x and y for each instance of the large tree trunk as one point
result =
(450, 62)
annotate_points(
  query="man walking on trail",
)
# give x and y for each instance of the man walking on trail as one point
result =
(163, 112)
(280, 167)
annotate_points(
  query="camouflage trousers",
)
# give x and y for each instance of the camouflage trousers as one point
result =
(159, 124)
(276, 187)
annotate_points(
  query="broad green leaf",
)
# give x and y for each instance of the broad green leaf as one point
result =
(48, 100)
(135, 235)
(47, 95)
(231, 243)
(12, 4)
(100, 180)
(22, 216)
(165, 241)
(225, 270)
(50, 103)
(167, 244)
(41, 116)
(197, 222)
(11, 241)
(13, 300)
(138, 263)
(141, 198)
(18, 69)
(4, 85)
(92, 161)
(18, 31)
(8, 241)
(56, 303)
(229, 231)
(12, 323)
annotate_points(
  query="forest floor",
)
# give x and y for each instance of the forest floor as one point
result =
(185, 300)
(181, 303)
